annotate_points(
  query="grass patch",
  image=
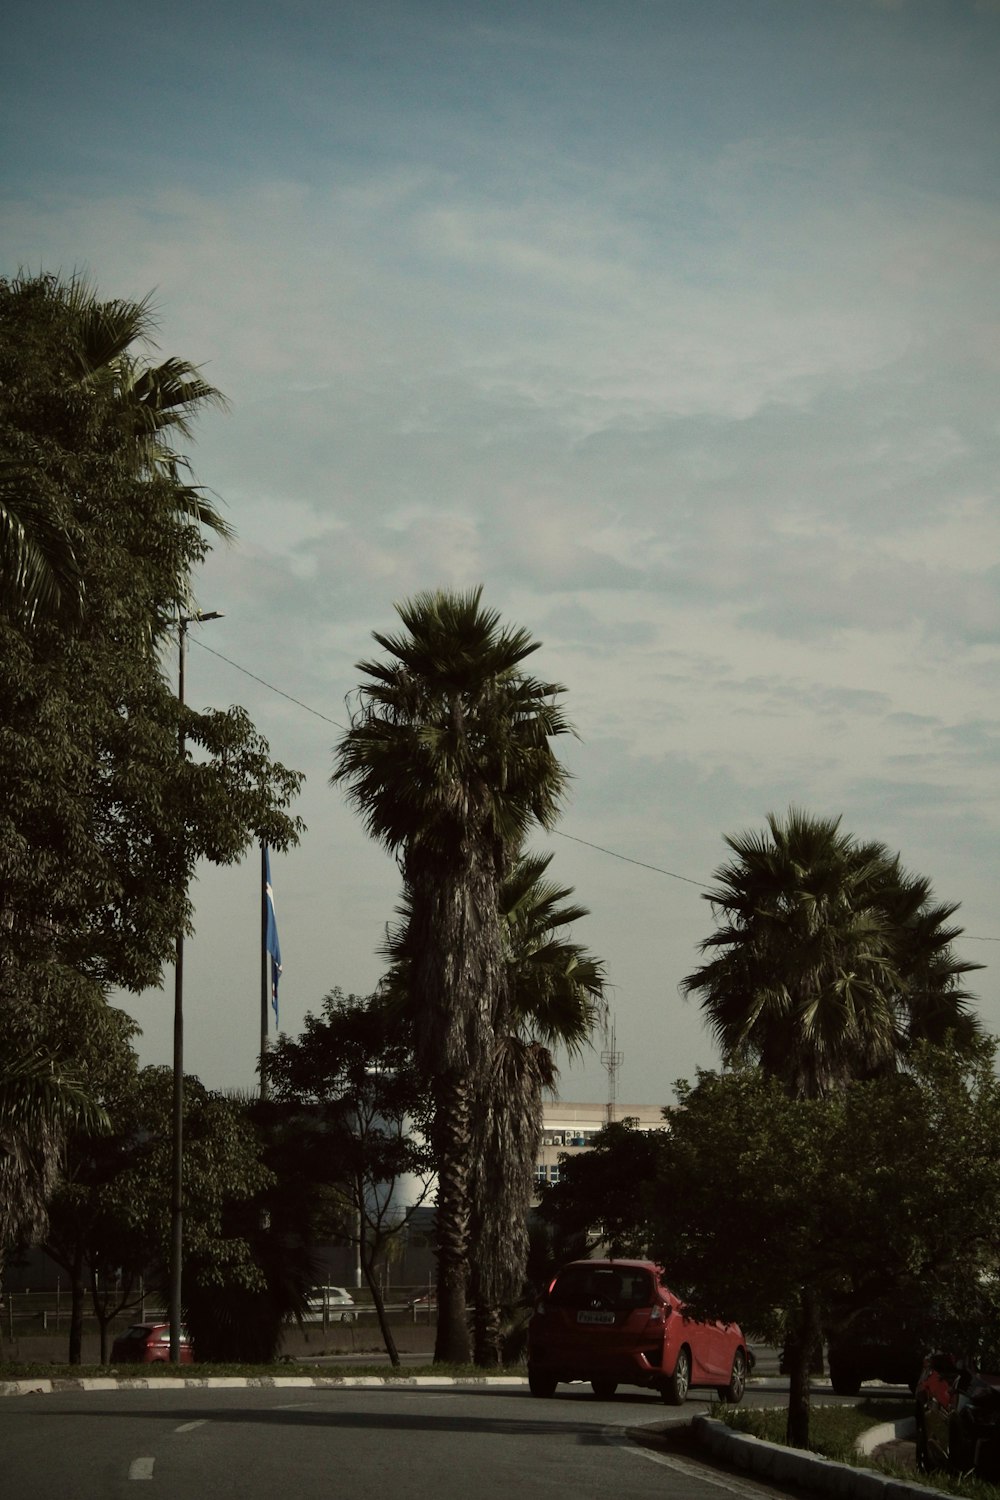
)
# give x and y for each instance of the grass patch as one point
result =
(833, 1431)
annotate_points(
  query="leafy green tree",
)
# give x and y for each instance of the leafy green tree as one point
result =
(81, 1235)
(600, 1201)
(830, 961)
(831, 965)
(225, 1178)
(791, 1213)
(362, 1113)
(102, 822)
(449, 761)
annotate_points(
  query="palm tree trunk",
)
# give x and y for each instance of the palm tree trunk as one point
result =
(453, 1150)
(486, 1320)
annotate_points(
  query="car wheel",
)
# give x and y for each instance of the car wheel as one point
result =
(675, 1390)
(541, 1383)
(845, 1380)
(348, 1317)
(604, 1389)
(733, 1392)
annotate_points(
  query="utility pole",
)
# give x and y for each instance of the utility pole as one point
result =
(177, 1130)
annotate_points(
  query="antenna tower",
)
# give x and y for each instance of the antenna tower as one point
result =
(612, 1061)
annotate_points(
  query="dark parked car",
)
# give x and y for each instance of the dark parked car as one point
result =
(149, 1344)
(616, 1322)
(867, 1352)
(957, 1414)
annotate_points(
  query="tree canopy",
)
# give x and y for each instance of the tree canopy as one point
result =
(102, 821)
(449, 759)
(830, 962)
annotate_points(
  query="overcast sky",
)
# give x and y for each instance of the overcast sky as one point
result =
(675, 325)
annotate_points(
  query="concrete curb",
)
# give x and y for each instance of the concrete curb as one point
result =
(793, 1466)
(46, 1387)
(886, 1432)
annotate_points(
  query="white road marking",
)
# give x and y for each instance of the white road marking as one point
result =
(189, 1426)
(141, 1468)
(689, 1470)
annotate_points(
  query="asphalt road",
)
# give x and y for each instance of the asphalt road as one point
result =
(306, 1444)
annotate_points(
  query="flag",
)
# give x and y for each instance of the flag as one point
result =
(271, 944)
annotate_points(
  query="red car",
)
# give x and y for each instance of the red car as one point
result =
(149, 1344)
(616, 1322)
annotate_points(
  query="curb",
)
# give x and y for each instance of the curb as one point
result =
(793, 1466)
(886, 1432)
(47, 1386)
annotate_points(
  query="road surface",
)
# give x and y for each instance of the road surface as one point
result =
(458, 1443)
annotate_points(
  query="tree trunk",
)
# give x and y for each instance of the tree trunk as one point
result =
(452, 1149)
(78, 1295)
(486, 1329)
(800, 1357)
(368, 1267)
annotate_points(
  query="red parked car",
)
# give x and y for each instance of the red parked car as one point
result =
(149, 1344)
(616, 1322)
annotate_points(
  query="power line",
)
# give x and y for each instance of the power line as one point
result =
(628, 859)
(269, 685)
(611, 853)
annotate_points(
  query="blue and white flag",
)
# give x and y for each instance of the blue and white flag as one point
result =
(271, 944)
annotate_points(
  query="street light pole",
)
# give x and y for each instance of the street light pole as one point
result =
(177, 1131)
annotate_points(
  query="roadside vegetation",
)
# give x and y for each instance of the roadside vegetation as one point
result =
(834, 1430)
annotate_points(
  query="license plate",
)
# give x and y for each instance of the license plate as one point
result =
(595, 1317)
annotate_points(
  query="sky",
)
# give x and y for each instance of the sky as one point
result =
(674, 325)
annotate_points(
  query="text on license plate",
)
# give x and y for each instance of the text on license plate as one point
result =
(595, 1317)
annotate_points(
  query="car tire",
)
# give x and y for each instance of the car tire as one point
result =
(733, 1392)
(845, 1380)
(604, 1389)
(674, 1391)
(541, 1383)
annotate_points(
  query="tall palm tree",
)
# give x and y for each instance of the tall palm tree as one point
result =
(830, 960)
(555, 997)
(146, 407)
(449, 761)
(805, 956)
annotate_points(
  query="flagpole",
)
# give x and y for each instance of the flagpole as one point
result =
(263, 972)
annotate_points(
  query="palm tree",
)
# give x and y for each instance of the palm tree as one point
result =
(39, 1104)
(145, 407)
(449, 761)
(554, 998)
(831, 962)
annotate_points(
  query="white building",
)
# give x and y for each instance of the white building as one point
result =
(569, 1129)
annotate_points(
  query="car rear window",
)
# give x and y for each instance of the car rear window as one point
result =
(620, 1289)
